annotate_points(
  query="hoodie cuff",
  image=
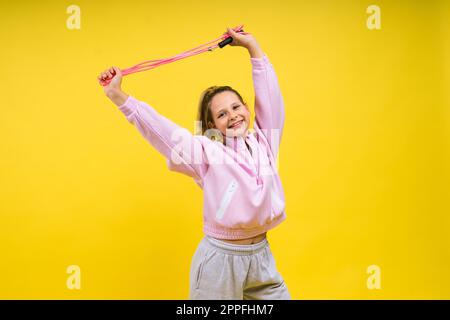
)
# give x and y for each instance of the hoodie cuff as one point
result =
(129, 106)
(259, 63)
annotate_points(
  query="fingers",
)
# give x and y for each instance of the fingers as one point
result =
(109, 73)
(104, 75)
(231, 31)
(117, 70)
(112, 71)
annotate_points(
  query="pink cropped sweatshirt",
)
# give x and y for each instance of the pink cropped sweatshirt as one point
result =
(242, 191)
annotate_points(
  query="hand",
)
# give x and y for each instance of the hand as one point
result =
(111, 80)
(241, 40)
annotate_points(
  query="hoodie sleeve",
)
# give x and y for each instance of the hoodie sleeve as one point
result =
(183, 151)
(269, 104)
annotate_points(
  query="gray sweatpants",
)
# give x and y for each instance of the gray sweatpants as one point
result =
(225, 271)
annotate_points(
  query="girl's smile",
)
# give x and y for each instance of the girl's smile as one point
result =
(236, 124)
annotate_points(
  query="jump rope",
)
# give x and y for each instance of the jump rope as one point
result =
(151, 64)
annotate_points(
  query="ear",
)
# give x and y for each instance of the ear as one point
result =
(211, 125)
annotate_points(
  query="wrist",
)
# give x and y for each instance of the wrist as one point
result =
(113, 92)
(117, 96)
(255, 51)
(252, 44)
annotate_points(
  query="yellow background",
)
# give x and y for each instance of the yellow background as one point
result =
(364, 158)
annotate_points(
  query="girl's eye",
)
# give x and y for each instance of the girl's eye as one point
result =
(234, 107)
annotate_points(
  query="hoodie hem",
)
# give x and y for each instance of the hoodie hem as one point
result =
(220, 232)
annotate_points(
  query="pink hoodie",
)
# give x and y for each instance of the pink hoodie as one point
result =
(242, 191)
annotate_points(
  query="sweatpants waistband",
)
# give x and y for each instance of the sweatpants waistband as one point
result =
(239, 249)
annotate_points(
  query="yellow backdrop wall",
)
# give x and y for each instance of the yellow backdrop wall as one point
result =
(364, 158)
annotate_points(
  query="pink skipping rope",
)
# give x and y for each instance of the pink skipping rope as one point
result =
(151, 64)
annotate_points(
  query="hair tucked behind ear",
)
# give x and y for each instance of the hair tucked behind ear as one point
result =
(204, 114)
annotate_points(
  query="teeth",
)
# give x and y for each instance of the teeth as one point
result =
(237, 123)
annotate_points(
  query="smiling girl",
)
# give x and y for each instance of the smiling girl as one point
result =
(243, 195)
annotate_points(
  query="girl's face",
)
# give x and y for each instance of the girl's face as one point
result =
(230, 115)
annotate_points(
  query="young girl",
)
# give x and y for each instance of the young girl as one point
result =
(236, 168)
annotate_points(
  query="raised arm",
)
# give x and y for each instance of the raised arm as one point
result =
(269, 104)
(175, 143)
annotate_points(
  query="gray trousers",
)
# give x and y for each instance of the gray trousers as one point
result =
(225, 271)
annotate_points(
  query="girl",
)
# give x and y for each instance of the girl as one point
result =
(235, 167)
